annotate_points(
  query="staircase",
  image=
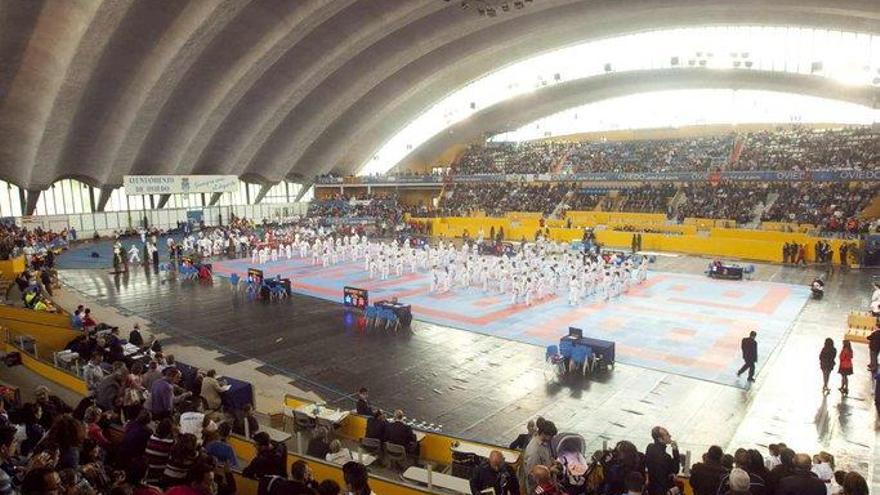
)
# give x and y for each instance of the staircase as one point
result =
(557, 212)
(557, 165)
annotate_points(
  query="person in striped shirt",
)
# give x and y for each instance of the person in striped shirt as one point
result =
(158, 447)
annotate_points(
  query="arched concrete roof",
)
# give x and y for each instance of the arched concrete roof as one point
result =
(514, 113)
(277, 88)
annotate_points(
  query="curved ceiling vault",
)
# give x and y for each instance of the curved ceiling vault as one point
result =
(274, 89)
(514, 113)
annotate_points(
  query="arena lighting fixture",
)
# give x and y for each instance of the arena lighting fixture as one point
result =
(491, 8)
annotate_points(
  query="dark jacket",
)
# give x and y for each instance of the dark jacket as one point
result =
(826, 358)
(874, 341)
(706, 477)
(271, 462)
(399, 433)
(376, 428)
(521, 441)
(278, 485)
(750, 350)
(134, 441)
(318, 447)
(503, 481)
(757, 485)
(661, 467)
(801, 483)
(363, 408)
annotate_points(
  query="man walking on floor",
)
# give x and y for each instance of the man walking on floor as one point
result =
(750, 355)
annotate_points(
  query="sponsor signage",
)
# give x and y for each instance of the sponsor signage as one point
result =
(179, 184)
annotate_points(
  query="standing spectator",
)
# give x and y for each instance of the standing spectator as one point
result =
(662, 467)
(93, 373)
(162, 397)
(136, 437)
(826, 362)
(706, 476)
(750, 355)
(537, 452)
(625, 458)
(874, 346)
(363, 403)
(135, 478)
(802, 481)
(739, 482)
(523, 438)
(494, 474)
(108, 395)
(846, 366)
(635, 483)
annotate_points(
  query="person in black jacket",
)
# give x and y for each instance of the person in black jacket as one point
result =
(401, 433)
(750, 355)
(706, 476)
(523, 438)
(494, 473)
(319, 445)
(271, 458)
(801, 481)
(363, 403)
(662, 467)
(874, 346)
(376, 425)
(826, 363)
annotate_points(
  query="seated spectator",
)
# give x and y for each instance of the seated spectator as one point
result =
(76, 321)
(319, 445)
(338, 454)
(93, 373)
(135, 478)
(400, 433)
(377, 426)
(158, 449)
(270, 460)
(635, 483)
(211, 391)
(194, 421)
(51, 406)
(330, 487)
(136, 436)
(94, 430)
(496, 475)
(67, 435)
(220, 449)
(135, 337)
(356, 478)
(181, 459)
(300, 482)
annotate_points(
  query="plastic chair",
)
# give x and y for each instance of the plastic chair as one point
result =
(579, 357)
(396, 455)
(372, 446)
(565, 348)
(552, 352)
(234, 279)
(279, 292)
(391, 320)
(371, 313)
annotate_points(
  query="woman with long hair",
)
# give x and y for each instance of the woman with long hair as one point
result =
(68, 434)
(826, 362)
(846, 366)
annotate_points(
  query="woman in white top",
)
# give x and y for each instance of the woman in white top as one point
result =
(338, 454)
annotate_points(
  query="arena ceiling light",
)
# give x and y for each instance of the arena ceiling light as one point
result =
(846, 57)
(490, 8)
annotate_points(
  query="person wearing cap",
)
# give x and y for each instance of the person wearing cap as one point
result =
(802, 481)
(739, 482)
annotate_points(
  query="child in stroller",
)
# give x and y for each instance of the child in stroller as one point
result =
(569, 449)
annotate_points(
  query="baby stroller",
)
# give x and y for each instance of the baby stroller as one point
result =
(569, 450)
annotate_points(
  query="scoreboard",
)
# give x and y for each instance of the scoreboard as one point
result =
(355, 298)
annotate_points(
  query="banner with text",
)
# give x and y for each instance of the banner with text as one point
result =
(179, 184)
